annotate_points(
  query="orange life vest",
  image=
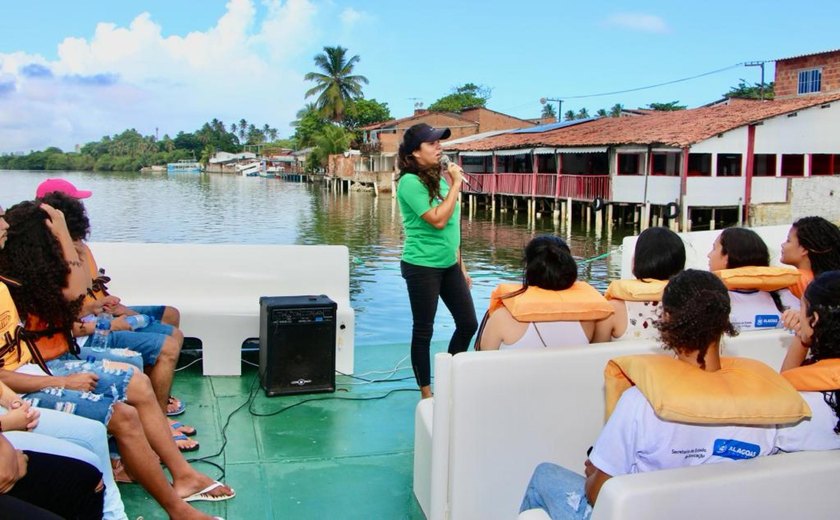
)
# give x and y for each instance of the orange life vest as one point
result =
(580, 302)
(743, 391)
(636, 290)
(822, 376)
(798, 289)
(50, 342)
(759, 278)
(99, 281)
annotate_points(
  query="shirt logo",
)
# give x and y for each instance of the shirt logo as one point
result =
(766, 321)
(735, 449)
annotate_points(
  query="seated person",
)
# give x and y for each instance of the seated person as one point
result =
(758, 293)
(658, 256)
(817, 379)
(813, 247)
(550, 309)
(159, 344)
(38, 252)
(695, 408)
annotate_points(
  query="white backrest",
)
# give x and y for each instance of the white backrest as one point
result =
(699, 243)
(795, 485)
(179, 274)
(509, 411)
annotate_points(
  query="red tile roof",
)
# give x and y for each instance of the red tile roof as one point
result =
(808, 55)
(679, 128)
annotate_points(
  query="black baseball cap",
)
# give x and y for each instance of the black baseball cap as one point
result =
(422, 133)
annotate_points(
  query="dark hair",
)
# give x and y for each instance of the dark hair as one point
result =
(659, 254)
(743, 248)
(695, 313)
(821, 239)
(430, 177)
(823, 296)
(74, 211)
(549, 264)
(33, 257)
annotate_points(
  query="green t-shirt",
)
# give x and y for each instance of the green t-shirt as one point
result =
(424, 244)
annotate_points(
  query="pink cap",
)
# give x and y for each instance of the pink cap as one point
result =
(63, 186)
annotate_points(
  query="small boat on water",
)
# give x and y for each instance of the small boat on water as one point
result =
(184, 166)
(250, 169)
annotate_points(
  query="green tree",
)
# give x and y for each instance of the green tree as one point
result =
(755, 91)
(335, 84)
(582, 114)
(667, 107)
(332, 139)
(616, 109)
(569, 115)
(602, 112)
(469, 95)
(309, 123)
(548, 111)
(362, 112)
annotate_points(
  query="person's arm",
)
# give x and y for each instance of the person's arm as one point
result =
(20, 415)
(12, 465)
(26, 383)
(491, 336)
(439, 215)
(595, 479)
(796, 354)
(77, 280)
(464, 270)
(603, 330)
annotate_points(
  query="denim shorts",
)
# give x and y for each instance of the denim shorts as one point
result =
(97, 405)
(154, 311)
(147, 344)
(157, 327)
(120, 355)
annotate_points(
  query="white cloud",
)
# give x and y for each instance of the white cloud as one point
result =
(134, 77)
(350, 17)
(638, 22)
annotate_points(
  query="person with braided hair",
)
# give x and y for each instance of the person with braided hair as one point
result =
(813, 247)
(550, 309)
(817, 378)
(431, 261)
(695, 408)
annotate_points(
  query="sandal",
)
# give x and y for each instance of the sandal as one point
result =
(180, 427)
(120, 473)
(174, 407)
(183, 442)
(205, 496)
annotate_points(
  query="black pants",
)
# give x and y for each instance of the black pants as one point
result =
(425, 285)
(65, 486)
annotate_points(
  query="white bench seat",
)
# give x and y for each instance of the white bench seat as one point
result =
(217, 288)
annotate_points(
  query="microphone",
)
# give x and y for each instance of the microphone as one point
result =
(445, 161)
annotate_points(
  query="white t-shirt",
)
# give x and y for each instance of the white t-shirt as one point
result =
(816, 433)
(635, 440)
(757, 310)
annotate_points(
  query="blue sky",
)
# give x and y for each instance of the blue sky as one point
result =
(71, 72)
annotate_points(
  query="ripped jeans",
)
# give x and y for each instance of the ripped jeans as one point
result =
(558, 491)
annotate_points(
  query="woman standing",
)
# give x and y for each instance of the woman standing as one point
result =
(431, 260)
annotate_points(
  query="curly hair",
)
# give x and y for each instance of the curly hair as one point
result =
(659, 254)
(430, 177)
(821, 239)
(695, 313)
(74, 211)
(822, 298)
(34, 258)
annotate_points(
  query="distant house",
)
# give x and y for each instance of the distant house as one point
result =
(381, 141)
(808, 74)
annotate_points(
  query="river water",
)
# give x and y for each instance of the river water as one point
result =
(215, 208)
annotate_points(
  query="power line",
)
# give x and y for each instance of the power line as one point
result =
(653, 86)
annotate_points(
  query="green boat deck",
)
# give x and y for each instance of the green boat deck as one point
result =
(347, 455)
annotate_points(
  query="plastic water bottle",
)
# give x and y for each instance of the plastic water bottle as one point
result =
(137, 321)
(99, 340)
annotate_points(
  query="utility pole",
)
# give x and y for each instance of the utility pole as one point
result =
(543, 101)
(758, 64)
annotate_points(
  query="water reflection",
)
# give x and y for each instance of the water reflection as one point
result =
(229, 209)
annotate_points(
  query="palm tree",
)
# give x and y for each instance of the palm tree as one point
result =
(243, 128)
(582, 114)
(616, 109)
(336, 85)
(602, 112)
(569, 115)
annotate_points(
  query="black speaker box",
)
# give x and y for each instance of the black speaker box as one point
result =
(297, 344)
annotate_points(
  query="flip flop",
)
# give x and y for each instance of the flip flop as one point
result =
(179, 410)
(180, 427)
(205, 496)
(181, 437)
(120, 473)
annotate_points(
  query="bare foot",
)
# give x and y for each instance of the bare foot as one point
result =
(198, 482)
